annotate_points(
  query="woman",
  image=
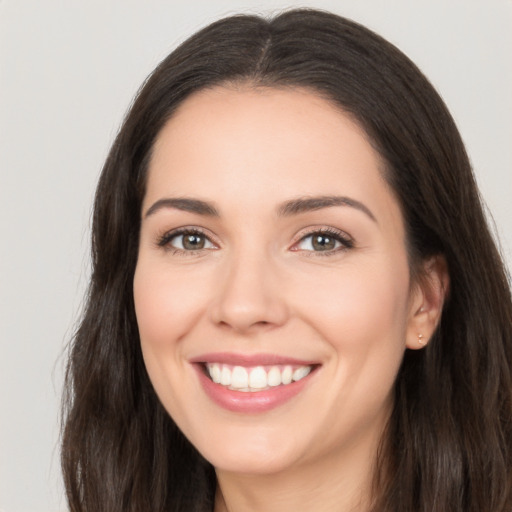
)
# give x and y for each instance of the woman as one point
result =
(295, 299)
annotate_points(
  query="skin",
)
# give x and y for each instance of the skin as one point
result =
(259, 286)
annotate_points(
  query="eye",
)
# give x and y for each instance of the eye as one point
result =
(186, 240)
(324, 241)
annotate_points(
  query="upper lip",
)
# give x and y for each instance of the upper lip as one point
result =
(250, 360)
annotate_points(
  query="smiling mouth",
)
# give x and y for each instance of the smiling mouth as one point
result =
(255, 378)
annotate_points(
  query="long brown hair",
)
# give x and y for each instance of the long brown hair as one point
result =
(449, 440)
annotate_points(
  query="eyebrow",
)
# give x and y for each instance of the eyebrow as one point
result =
(286, 209)
(308, 204)
(185, 204)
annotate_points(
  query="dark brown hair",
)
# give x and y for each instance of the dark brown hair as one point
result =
(448, 443)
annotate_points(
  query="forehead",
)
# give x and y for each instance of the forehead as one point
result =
(261, 145)
(277, 119)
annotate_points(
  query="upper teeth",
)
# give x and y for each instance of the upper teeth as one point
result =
(256, 378)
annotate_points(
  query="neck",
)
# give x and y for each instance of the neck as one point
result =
(341, 484)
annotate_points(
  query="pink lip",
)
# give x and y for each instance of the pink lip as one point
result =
(249, 360)
(249, 402)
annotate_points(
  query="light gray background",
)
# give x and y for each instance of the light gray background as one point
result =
(68, 71)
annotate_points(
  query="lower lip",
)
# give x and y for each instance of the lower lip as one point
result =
(250, 402)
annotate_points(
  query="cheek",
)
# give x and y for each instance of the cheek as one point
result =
(362, 317)
(360, 306)
(166, 304)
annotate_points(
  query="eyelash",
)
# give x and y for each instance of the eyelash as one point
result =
(346, 241)
(165, 240)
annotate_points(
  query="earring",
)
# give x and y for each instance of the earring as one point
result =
(420, 339)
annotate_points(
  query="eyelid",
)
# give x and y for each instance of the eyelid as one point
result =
(346, 241)
(164, 239)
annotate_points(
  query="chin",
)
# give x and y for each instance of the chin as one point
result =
(253, 455)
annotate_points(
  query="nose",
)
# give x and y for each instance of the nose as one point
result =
(250, 296)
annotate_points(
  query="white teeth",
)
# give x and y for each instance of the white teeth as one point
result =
(244, 379)
(258, 378)
(215, 373)
(239, 377)
(274, 376)
(225, 376)
(286, 376)
(301, 372)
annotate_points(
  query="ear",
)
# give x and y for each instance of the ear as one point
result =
(426, 302)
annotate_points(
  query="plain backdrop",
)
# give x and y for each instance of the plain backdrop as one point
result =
(68, 71)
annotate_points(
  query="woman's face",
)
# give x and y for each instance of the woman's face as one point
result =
(272, 287)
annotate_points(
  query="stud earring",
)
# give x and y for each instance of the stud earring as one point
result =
(420, 339)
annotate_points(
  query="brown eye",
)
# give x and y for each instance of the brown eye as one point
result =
(188, 241)
(323, 242)
(193, 241)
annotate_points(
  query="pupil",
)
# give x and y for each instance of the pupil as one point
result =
(323, 243)
(193, 241)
